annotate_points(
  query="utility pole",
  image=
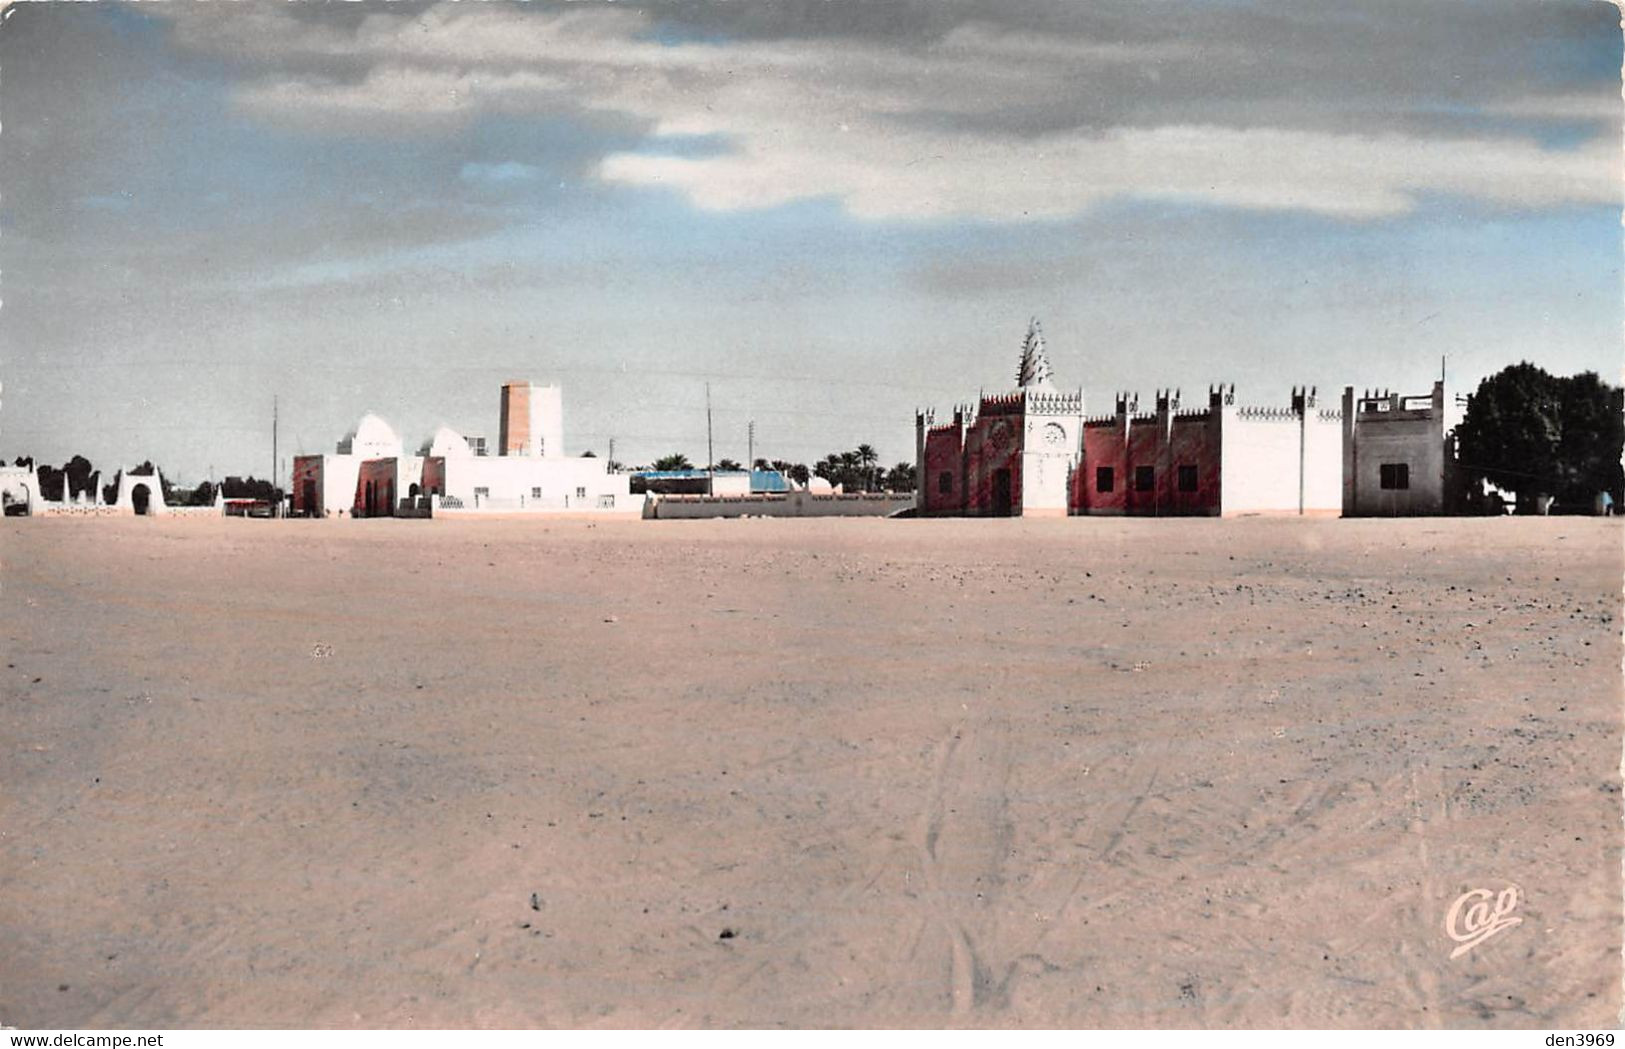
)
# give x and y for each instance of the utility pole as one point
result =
(273, 450)
(710, 452)
(611, 453)
(750, 430)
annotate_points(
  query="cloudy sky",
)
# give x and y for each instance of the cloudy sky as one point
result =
(831, 211)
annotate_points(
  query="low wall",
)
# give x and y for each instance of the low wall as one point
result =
(527, 514)
(795, 504)
(73, 510)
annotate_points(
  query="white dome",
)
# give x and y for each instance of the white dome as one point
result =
(449, 443)
(374, 439)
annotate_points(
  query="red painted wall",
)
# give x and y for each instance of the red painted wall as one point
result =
(944, 454)
(992, 444)
(375, 492)
(1102, 446)
(307, 497)
(434, 475)
(1144, 446)
(1193, 442)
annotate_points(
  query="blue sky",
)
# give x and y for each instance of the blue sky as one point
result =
(833, 214)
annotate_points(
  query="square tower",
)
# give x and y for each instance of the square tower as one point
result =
(532, 421)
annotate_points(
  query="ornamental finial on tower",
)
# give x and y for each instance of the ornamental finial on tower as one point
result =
(1034, 369)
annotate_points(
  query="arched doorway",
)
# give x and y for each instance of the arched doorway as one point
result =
(140, 497)
(18, 501)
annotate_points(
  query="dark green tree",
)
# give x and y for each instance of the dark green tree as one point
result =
(53, 483)
(1536, 434)
(727, 466)
(674, 461)
(80, 475)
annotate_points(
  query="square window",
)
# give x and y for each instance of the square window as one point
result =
(1395, 475)
(482, 493)
(581, 493)
(945, 482)
(1105, 478)
(606, 502)
(1187, 478)
(1145, 478)
(535, 493)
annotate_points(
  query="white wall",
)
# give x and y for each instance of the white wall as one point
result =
(339, 475)
(1323, 465)
(1258, 465)
(794, 504)
(547, 422)
(509, 481)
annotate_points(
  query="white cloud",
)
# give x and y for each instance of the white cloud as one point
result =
(891, 132)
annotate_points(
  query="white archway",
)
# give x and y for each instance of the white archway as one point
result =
(19, 487)
(154, 485)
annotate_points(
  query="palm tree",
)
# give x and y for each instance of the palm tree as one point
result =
(674, 461)
(868, 459)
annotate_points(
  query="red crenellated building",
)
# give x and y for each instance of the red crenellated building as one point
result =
(1033, 451)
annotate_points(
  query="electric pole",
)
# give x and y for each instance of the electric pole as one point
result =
(750, 443)
(273, 451)
(710, 452)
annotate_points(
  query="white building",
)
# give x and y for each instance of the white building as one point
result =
(464, 481)
(370, 475)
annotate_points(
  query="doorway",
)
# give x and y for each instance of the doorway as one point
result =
(1001, 493)
(141, 499)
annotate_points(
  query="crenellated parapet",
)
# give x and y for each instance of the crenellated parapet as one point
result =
(1003, 403)
(1266, 413)
(1053, 402)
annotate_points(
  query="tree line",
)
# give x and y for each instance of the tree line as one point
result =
(858, 470)
(80, 477)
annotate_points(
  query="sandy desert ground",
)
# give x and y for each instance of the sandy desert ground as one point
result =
(811, 773)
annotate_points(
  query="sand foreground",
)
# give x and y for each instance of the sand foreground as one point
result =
(811, 773)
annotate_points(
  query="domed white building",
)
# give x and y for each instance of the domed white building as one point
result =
(333, 486)
(370, 475)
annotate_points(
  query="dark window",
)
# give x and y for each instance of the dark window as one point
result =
(945, 482)
(1396, 475)
(1187, 478)
(1145, 478)
(1105, 478)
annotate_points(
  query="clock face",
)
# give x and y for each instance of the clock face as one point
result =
(1054, 435)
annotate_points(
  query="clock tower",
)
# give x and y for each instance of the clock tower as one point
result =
(1052, 431)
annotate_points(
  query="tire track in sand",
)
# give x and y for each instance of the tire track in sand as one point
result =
(963, 839)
